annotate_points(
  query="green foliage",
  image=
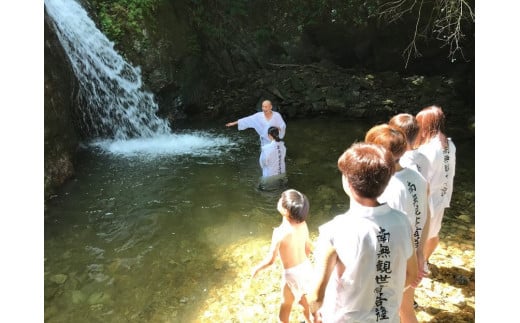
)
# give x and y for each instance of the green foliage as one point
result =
(280, 21)
(215, 20)
(121, 17)
(237, 8)
(209, 14)
(269, 21)
(193, 45)
(263, 35)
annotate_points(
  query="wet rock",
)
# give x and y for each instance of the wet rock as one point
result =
(78, 297)
(98, 298)
(59, 278)
(465, 218)
(461, 280)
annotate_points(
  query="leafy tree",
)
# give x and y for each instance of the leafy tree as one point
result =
(450, 22)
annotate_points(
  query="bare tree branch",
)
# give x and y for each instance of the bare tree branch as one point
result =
(449, 25)
(448, 17)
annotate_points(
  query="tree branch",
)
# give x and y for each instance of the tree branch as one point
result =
(448, 17)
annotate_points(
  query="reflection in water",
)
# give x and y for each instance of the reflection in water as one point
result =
(171, 238)
(276, 183)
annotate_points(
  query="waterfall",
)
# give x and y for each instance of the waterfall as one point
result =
(116, 105)
(119, 114)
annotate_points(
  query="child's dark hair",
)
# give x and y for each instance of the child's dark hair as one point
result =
(297, 204)
(273, 131)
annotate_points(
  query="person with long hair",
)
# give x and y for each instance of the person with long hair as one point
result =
(411, 158)
(272, 162)
(440, 151)
(272, 157)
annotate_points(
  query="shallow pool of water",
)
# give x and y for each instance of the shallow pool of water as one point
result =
(153, 237)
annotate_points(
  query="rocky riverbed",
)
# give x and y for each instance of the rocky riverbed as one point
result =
(447, 295)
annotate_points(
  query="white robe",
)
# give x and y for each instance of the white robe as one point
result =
(258, 122)
(272, 158)
(374, 244)
(440, 172)
(407, 192)
(415, 160)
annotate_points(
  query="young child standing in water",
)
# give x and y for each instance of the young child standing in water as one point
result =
(272, 162)
(272, 157)
(291, 242)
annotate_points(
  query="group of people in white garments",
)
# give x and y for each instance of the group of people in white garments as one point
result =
(370, 259)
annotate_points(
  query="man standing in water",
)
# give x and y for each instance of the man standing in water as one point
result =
(261, 121)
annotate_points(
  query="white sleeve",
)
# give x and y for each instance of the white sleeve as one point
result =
(422, 164)
(250, 122)
(280, 124)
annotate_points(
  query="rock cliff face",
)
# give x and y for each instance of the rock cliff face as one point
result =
(60, 136)
(190, 57)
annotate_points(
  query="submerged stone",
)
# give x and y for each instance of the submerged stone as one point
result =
(59, 278)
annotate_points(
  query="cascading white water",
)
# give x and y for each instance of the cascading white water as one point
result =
(119, 114)
(117, 106)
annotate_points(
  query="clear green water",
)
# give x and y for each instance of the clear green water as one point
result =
(152, 240)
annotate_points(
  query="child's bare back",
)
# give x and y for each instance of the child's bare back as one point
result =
(294, 246)
(291, 242)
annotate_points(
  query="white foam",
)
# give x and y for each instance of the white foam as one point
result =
(197, 143)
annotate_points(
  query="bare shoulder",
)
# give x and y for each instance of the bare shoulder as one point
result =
(282, 231)
(300, 229)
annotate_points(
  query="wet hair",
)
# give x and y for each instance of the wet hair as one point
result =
(296, 203)
(275, 132)
(431, 122)
(368, 168)
(408, 124)
(391, 138)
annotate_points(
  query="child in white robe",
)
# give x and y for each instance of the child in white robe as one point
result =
(368, 257)
(407, 191)
(272, 156)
